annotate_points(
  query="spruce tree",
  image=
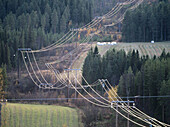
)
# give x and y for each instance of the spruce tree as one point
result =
(96, 50)
(8, 60)
(129, 82)
(54, 21)
(3, 54)
(47, 22)
(63, 24)
(43, 22)
(4, 78)
(1, 85)
(87, 67)
(122, 87)
(138, 84)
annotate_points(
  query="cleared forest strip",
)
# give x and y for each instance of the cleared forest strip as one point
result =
(143, 48)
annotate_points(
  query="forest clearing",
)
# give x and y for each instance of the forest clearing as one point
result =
(143, 48)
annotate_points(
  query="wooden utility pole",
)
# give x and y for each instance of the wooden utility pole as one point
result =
(21, 49)
(68, 87)
(18, 65)
(128, 115)
(76, 85)
(117, 104)
(116, 115)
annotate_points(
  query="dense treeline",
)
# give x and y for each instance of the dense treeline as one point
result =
(147, 22)
(134, 76)
(37, 23)
(152, 79)
(111, 66)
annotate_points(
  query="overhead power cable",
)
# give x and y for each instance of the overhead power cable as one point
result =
(88, 26)
(109, 106)
(69, 37)
(37, 65)
(63, 81)
(100, 95)
(28, 70)
(124, 106)
(148, 117)
(100, 103)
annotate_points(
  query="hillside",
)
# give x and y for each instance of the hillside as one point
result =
(27, 115)
(135, 76)
(37, 23)
(53, 41)
(148, 22)
(143, 48)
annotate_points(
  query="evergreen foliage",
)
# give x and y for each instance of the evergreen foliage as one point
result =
(111, 66)
(3, 81)
(147, 22)
(134, 76)
(29, 23)
(92, 66)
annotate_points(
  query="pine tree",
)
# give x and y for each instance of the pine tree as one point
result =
(96, 68)
(4, 78)
(63, 24)
(54, 21)
(47, 22)
(87, 67)
(129, 82)
(138, 84)
(8, 60)
(1, 85)
(108, 71)
(164, 90)
(47, 9)
(122, 87)
(3, 52)
(163, 55)
(104, 63)
(96, 50)
(32, 38)
(43, 22)
(126, 27)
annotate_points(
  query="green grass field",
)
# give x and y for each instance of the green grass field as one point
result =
(143, 48)
(28, 115)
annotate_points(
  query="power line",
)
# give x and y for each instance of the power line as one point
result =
(132, 97)
(100, 103)
(115, 10)
(135, 112)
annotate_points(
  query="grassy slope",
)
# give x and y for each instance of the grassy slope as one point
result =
(27, 115)
(143, 48)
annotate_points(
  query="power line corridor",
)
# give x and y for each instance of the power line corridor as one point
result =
(65, 78)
